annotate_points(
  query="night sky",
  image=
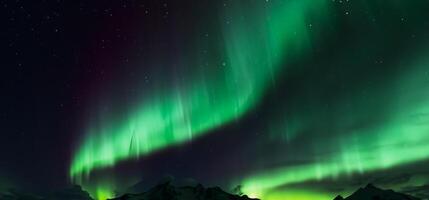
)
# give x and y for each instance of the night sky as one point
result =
(298, 99)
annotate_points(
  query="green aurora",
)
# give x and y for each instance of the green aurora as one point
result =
(178, 116)
(263, 39)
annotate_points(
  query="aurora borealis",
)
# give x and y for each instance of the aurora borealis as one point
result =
(188, 111)
(290, 99)
(213, 99)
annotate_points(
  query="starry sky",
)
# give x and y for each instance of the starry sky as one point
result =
(301, 99)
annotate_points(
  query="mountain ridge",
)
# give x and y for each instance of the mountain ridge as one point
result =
(370, 192)
(167, 191)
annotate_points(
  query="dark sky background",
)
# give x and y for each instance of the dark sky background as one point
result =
(43, 90)
(55, 56)
(61, 60)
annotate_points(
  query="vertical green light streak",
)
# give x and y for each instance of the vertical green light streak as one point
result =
(403, 138)
(257, 39)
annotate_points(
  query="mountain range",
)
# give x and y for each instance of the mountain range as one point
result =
(168, 191)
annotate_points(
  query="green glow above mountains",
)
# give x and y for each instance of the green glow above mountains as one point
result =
(375, 124)
(254, 44)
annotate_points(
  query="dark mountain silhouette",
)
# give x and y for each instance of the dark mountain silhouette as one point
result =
(144, 184)
(370, 192)
(167, 191)
(72, 193)
(421, 191)
(18, 195)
